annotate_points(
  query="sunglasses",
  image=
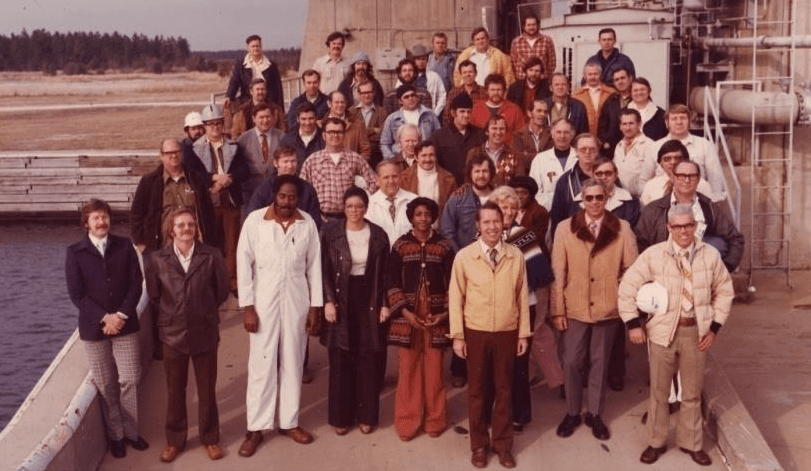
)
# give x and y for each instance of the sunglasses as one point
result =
(604, 173)
(590, 198)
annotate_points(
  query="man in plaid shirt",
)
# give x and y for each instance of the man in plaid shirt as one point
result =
(532, 43)
(332, 170)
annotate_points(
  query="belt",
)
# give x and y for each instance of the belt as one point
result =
(687, 321)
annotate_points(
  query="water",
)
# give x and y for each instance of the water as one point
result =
(37, 315)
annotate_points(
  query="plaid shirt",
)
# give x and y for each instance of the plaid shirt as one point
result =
(544, 49)
(331, 181)
(479, 93)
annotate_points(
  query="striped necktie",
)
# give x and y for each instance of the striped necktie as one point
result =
(687, 282)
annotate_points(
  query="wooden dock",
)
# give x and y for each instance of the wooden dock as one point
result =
(59, 182)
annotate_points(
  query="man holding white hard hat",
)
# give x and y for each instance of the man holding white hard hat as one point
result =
(699, 295)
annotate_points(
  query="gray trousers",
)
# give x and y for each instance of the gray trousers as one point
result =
(115, 365)
(582, 340)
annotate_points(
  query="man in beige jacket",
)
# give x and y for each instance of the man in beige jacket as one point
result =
(489, 325)
(699, 299)
(590, 252)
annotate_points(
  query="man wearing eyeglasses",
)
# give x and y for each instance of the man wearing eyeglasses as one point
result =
(332, 170)
(221, 162)
(699, 299)
(714, 226)
(591, 251)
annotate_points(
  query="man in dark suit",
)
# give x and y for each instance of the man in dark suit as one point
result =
(104, 282)
(258, 145)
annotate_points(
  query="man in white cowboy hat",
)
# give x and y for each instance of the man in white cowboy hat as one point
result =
(699, 299)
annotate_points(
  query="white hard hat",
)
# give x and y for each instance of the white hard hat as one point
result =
(652, 298)
(193, 119)
(211, 113)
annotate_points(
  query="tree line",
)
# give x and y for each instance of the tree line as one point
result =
(93, 52)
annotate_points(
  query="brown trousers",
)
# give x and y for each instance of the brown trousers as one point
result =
(420, 387)
(490, 364)
(228, 217)
(683, 356)
(176, 364)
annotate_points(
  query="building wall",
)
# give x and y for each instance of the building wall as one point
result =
(377, 24)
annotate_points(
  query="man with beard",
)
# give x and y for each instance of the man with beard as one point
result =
(407, 75)
(279, 255)
(532, 43)
(360, 72)
(194, 129)
(530, 88)
(497, 105)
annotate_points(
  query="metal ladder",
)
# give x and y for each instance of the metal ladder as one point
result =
(771, 178)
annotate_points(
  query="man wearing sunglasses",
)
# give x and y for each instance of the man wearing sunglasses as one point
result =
(591, 251)
(699, 298)
(714, 226)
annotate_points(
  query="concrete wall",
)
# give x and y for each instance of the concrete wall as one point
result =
(390, 24)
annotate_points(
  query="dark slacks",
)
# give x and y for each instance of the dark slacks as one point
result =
(229, 218)
(176, 364)
(522, 401)
(490, 359)
(354, 387)
(592, 342)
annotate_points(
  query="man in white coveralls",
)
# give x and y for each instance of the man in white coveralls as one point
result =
(278, 254)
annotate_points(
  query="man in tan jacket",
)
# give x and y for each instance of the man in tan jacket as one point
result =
(699, 298)
(489, 325)
(590, 252)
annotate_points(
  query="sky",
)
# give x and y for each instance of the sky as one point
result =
(206, 24)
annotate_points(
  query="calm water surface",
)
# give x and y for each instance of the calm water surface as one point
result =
(37, 315)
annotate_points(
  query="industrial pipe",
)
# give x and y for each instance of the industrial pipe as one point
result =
(736, 105)
(764, 42)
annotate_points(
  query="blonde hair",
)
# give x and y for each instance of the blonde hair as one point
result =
(503, 193)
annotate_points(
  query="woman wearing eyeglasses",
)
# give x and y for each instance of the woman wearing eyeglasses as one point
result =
(591, 250)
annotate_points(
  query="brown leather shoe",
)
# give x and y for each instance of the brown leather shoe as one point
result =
(479, 458)
(651, 454)
(214, 451)
(341, 430)
(698, 456)
(506, 459)
(366, 429)
(252, 440)
(298, 434)
(170, 453)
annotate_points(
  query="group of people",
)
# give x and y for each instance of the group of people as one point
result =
(479, 205)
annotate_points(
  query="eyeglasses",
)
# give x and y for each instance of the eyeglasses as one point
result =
(333, 132)
(686, 176)
(590, 198)
(682, 227)
(604, 173)
(587, 150)
(170, 152)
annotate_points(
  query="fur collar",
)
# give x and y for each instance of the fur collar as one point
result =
(609, 231)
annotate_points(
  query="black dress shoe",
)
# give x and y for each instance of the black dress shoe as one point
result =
(616, 383)
(598, 427)
(698, 456)
(139, 443)
(567, 426)
(651, 454)
(117, 448)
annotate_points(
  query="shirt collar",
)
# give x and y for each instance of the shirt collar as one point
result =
(270, 214)
(485, 248)
(180, 256)
(95, 240)
(167, 175)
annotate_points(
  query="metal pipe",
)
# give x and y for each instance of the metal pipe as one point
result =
(764, 42)
(736, 105)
